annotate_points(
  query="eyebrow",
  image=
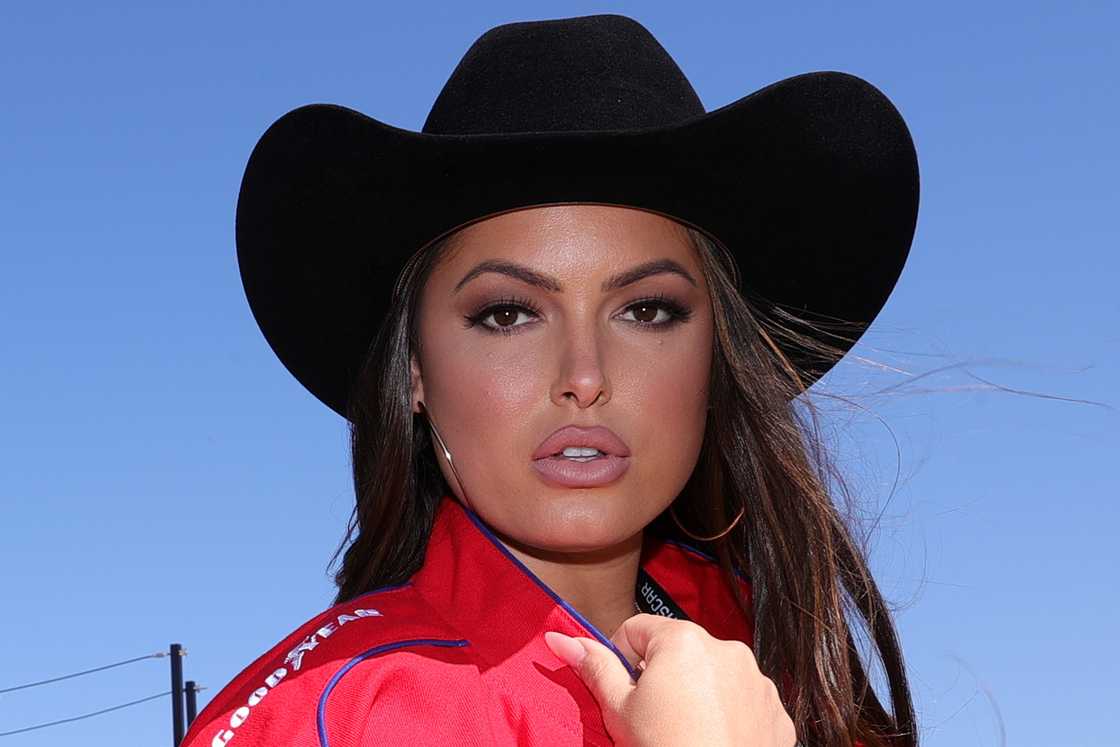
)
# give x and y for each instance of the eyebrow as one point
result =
(549, 283)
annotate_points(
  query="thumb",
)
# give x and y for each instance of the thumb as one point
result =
(596, 665)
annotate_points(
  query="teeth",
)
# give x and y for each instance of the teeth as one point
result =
(581, 451)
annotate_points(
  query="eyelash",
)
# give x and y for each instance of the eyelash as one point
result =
(677, 313)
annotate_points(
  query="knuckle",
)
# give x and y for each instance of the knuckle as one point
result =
(741, 654)
(738, 649)
(689, 633)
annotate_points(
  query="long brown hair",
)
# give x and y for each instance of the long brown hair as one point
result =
(812, 591)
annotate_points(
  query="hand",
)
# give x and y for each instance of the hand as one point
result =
(694, 689)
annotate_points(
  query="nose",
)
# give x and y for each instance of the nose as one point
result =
(581, 375)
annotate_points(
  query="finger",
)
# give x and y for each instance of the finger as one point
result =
(604, 675)
(596, 665)
(633, 637)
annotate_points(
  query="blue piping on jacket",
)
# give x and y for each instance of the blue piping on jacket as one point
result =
(710, 558)
(634, 673)
(320, 716)
(380, 589)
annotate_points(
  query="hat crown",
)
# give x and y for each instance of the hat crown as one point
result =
(600, 72)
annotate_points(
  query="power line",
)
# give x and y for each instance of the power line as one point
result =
(177, 692)
(88, 715)
(156, 655)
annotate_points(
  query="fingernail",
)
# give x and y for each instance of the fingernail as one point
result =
(566, 648)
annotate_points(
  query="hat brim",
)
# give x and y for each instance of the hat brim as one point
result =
(811, 182)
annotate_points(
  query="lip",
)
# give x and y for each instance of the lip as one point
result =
(568, 473)
(597, 437)
(571, 474)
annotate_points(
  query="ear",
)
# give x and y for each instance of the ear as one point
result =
(417, 384)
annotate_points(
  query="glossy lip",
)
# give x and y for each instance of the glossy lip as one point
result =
(597, 437)
(595, 473)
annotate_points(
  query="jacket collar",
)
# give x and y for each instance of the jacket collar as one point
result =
(503, 608)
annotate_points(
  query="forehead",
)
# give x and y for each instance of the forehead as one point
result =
(579, 239)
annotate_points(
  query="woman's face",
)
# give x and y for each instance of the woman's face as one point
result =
(505, 363)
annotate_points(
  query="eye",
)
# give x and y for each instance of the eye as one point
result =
(505, 317)
(665, 312)
(505, 312)
(647, 312)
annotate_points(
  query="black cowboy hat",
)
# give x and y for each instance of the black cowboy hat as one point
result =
(811, 183)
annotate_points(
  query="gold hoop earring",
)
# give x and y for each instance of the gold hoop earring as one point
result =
(713, 537)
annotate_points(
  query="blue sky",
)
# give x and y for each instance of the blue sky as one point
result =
(167, 480)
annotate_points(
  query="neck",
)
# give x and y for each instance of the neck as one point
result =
(599, 583)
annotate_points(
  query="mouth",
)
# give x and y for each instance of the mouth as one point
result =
(581, 472)
(581, 457)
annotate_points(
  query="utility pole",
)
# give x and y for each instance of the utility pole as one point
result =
(192, 701)
(177, 730)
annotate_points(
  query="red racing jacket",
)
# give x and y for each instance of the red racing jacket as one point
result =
(453, 656)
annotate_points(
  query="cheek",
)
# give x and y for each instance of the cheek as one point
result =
(670, 395)
(483, 391)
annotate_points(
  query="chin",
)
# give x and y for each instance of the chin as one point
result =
(583, 520)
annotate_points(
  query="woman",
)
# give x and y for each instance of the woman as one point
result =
(567, 322)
